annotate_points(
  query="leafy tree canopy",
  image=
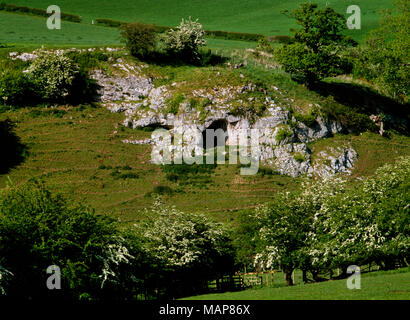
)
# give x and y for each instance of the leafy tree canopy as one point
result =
(314, 51)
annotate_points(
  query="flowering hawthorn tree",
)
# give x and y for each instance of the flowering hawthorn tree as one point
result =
(186, 39)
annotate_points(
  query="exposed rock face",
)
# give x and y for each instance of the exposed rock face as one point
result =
(144, 105)
(131, 88)
(321, 130)
(333, 161)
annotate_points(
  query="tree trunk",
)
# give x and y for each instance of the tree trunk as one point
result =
(304, 276)
(288, 276)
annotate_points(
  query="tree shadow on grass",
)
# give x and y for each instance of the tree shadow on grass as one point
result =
(367, 101)
(13, 151)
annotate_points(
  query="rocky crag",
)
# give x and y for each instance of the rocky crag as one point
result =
(282, 139)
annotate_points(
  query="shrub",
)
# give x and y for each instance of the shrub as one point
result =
(37, 12)
(189, 246)
(185, 40)
(139, 38)
(264, 45)
(12, 148)
(15, 87)
(384, 57)
(53, 76)
(39, 229)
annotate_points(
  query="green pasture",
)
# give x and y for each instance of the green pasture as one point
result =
(379, 285)
(262, 16)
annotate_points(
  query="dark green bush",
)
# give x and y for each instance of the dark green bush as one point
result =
(15, 88)
(139, 38)
(37, 12)
(39, 229)
(13, 151)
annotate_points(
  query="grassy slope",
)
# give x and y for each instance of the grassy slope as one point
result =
(67, 152)
(380, 285)
(373, 149)
(71, 149)
(261, 16)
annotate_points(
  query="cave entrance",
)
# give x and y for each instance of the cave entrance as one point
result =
(216, 134)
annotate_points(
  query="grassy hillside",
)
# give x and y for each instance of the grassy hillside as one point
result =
(79, 150)
(262, 16)
(374, 286)
(75, 151)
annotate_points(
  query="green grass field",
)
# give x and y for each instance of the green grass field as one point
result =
(389, 285)
(263, 16)
(30, 30)
(26, 31)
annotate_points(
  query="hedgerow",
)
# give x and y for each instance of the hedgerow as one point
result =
(37, 12)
